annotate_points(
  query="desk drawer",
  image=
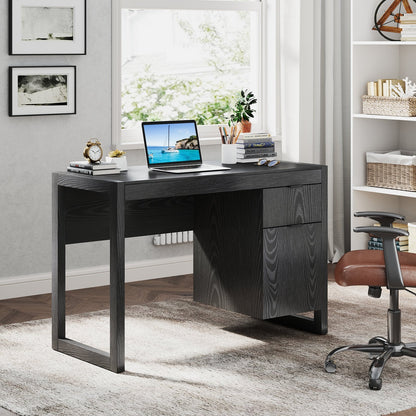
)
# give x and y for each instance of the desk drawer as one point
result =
(292, 205)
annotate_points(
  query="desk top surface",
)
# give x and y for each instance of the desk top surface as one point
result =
(137, 174)
(141, 183)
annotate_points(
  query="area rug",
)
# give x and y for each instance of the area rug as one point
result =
(184, 358)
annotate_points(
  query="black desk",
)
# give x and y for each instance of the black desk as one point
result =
(260, 240)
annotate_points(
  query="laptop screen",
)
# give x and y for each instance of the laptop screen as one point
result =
(171, 142)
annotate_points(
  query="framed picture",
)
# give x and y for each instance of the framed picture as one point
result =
(42, 90)
(47, 27)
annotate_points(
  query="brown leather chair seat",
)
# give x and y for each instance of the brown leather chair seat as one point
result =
(366, 267)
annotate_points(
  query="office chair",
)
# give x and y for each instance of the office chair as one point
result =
(376, 268)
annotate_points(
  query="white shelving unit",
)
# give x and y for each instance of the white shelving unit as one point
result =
(373, 58)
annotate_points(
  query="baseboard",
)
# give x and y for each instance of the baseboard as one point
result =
(37, 284)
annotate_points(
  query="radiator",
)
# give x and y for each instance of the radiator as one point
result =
(180, 237)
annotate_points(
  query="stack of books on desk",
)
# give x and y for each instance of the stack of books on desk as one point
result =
(254, 146)
(101, 168)
(408, 26)
(402, 242)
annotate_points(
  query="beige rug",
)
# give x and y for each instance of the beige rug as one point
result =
(183, 358)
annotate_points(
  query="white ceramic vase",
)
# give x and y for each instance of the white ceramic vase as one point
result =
(121, 162)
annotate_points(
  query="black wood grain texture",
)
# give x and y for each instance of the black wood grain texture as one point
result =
(293, 279)
(117, 271)
(58, 263)
(160, 215)
(142, 184)
(288, 205)
(84, 352)
(87, 216)
(238, 265)
(228, 251)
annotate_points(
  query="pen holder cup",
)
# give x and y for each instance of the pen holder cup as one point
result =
(229, 154)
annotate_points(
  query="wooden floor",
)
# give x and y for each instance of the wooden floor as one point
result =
(95, 299)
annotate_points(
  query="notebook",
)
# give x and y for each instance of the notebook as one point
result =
(173, 147)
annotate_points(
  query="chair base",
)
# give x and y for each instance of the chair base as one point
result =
(381, 350)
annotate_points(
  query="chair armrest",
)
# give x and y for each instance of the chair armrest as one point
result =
(384, 218)
(391, 259)
(382, 232)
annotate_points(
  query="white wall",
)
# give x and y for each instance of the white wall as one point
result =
(34, 147)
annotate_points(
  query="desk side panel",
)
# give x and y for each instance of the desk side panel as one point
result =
(228, 251)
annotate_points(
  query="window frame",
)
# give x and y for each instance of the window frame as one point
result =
(268, 105)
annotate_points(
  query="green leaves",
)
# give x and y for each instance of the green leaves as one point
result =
(242, 109)
(152, 97)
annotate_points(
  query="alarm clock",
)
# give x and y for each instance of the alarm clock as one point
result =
(93, 151)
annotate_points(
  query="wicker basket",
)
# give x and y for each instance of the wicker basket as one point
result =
(389, 106)
(393, 170)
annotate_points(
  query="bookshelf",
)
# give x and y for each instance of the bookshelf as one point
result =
(373, 58)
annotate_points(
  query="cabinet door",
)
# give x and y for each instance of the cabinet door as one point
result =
(294, 270)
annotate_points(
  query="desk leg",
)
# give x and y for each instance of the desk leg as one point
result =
(58, 266)
(317, 325)
(117, 270)
(115, 360)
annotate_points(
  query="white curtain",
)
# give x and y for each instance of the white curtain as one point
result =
(332, 132)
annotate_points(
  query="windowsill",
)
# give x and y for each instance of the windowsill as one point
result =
(205, 141)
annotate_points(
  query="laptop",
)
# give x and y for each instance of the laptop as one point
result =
(173, 147)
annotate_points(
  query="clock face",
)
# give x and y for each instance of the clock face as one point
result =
(95, 153)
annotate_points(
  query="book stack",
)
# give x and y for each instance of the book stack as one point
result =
(254, 146)
(408, 26)
(402, 242)
(383, 87)
(101, 168)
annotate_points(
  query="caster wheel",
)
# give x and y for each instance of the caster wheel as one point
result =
(375, 384)
(330, 367)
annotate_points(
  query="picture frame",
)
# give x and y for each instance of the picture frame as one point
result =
(47, 27)
(42, 90)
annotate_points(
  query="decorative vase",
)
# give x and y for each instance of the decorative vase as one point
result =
(245, 126)
(121, 162)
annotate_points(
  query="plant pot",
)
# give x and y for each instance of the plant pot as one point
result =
(245, 126)
(121, 162)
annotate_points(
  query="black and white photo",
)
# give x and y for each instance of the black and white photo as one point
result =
(41, 90)
(50, 27)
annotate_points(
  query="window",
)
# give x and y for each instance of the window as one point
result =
(185, 59)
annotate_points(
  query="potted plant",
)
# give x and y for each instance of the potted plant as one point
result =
(242, 112)
(119, 158)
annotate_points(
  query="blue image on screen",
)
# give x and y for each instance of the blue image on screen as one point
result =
(171, 142)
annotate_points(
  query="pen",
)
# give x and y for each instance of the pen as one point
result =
(222, 136)
(235, 140)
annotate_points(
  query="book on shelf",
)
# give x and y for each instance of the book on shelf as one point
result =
(256, 156)
(93, 172)
(383, 87)
(380, 243)
(92, 166)
(255, 150)
(402, 240)
(256, 144)
(408, 18)
(372, 245)
(401, 225)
